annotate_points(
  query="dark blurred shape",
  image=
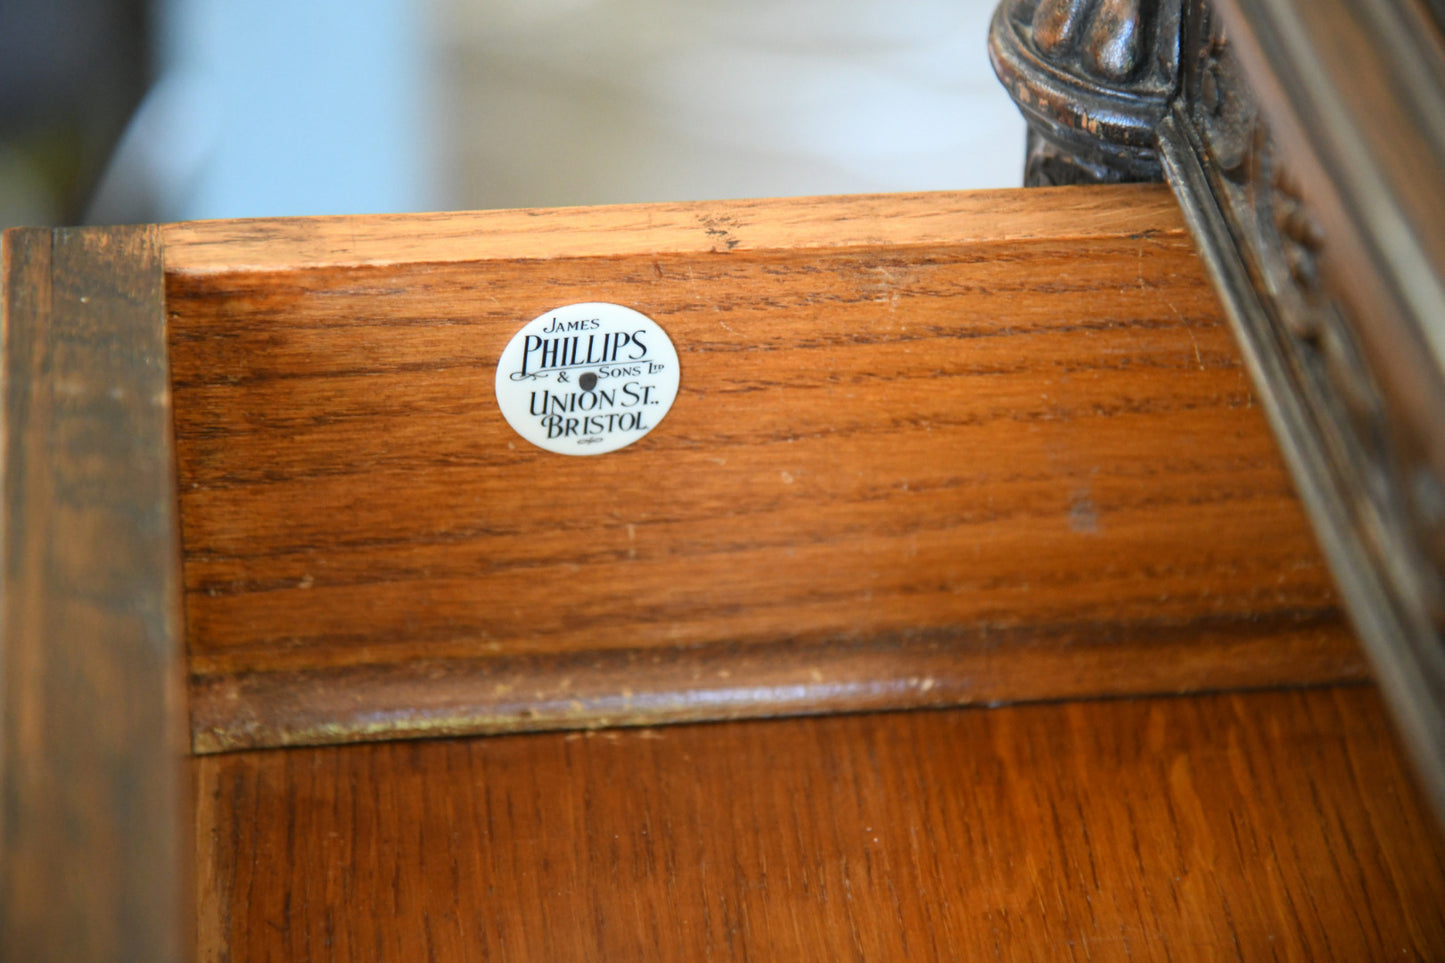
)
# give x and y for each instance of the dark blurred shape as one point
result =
(71, 74)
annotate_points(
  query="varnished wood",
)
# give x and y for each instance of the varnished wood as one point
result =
(1279, 825)
(94, 816)
(928, 450)
(859, 220)
(676, 684)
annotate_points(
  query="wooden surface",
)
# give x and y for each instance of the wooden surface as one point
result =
(265, 245)
(929, 449)
(1276, 825)
(94, 847)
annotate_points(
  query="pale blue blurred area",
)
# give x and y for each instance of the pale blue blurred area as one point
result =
(265, 108)
(269, 107)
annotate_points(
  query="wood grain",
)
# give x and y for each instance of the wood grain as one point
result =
(717, 227)
(897, 448)
(94, 817)
(1278, 825)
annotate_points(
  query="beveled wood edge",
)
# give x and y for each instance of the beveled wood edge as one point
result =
(361, 703)
(897, 220)
(95, 814)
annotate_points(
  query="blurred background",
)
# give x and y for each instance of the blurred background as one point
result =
(126, 111)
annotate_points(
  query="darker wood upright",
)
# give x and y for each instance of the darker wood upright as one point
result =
(94, 818)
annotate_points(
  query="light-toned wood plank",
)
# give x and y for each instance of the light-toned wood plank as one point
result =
(861, 220)
(1279, 825)
(95, 813)
(1035, 434)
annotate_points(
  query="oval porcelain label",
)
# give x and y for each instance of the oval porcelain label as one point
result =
(586, 379)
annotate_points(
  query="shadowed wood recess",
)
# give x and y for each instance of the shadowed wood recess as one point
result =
(94, 814)
(1270, 825)
(928, 449)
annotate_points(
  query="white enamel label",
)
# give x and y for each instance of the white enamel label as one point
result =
(587, 379)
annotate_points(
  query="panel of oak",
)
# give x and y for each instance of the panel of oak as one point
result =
(928, 449)
(1273, 825)
(95, 808)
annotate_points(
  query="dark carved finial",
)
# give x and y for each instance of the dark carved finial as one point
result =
(1093, 78)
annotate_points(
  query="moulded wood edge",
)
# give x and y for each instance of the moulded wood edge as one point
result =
(585, 690)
